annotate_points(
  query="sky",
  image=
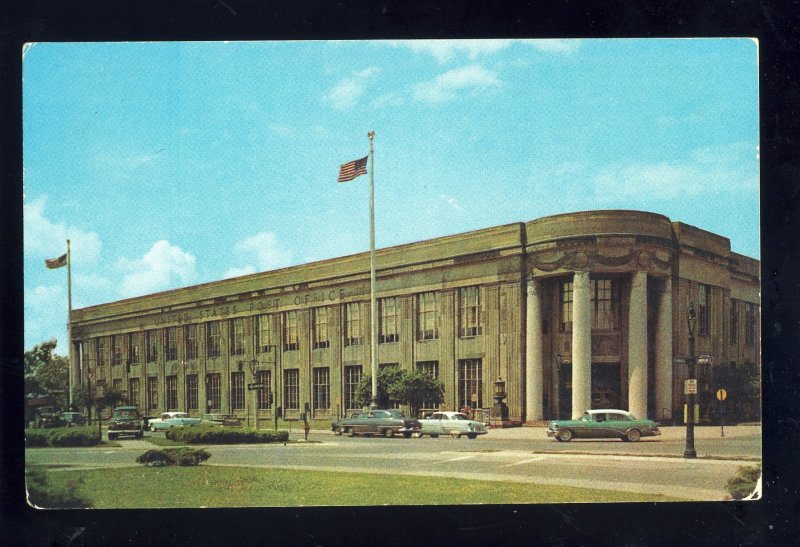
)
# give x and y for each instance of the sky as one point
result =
(175, 163)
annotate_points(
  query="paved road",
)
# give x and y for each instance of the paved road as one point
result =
(520, 455)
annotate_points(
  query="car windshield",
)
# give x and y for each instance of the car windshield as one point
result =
(396, 414)
(125, 413)
(586, 417)
(180, 415)
(460, 417)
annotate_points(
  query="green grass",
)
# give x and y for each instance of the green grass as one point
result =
(215, 486)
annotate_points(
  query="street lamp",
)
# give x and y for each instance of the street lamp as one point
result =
(691, 322)
(254, 370)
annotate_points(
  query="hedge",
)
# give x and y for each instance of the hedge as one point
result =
(219, 435)
(744, 482)
(173, 456)
(62, 436)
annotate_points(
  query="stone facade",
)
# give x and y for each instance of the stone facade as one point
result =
(572, 311)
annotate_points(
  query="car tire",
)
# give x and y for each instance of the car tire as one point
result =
(337, 430)
(455, 434)
(406, 434)
(351, 432)
(472, 436)
(388, 433)
(416, 434)
(153, 428)
(565, 435)
(112, 437)
(434, 435)
(633, 435)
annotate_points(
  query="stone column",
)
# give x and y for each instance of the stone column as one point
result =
(581, 345)
(663, 364)
(637, 346)
(534, 385)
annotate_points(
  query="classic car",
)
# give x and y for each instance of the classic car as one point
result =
(169, 420)
(227, 420)
(46, 416)
(451, 423)
(73, 418)
(125, 420)
(377, 422)
(603, 423)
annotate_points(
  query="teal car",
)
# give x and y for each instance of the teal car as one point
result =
(454, 424)
(603, 423)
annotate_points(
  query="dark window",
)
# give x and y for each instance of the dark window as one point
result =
(427, 316)
(152, 392)
(703, 310)
(291, 336)
(116, 349)
(237, 390)
(100, 351)
(565, 306)
(734, 322)
(133, 348)
(151, 339)
(213, 391)
(190, 341)
(172, 392)
(352, 376)
(322, 388)
(236, 327)
(291, 389)
(388, 331)
(212, 340)
(352, 325)
(749, 324)
(470, 391)
(604, 303)
(264, 377)
(171, 343)
(265, 333)
(470, 317)
(191, 392)
(133, 391)
(319, 323)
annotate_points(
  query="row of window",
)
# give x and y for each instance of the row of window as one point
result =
(749, 323)
(126, 346)
(470, 390)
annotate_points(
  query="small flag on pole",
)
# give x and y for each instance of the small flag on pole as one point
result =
(53, 263)
(351, 170)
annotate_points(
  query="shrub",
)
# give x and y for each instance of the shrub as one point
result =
(173, 456)
(220, 435)
(744, 482)
(44, 495)
(62, 436)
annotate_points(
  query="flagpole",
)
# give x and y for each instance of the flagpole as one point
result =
(373, 318)
(69, 321)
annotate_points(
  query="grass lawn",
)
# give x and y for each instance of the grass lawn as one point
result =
(215, 486)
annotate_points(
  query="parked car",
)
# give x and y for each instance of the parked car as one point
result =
(125, 420)
(46, 416)
(168, 420)
(603, 423)
(451, 423)
(377, 422)
(226, 420)
(73, 418)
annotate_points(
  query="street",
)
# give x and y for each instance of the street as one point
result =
(651, 466)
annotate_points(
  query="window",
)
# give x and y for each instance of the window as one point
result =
(470, 307)
(236, 328)
(191, 391)
(100, 351)
(116, 385)
(322, 388)
(151, 339)
(133, 391)
(212, 340)
(190, 341)
(237, 390)
(171, 343)
(565, 307)
(387, 325)
(116, 349)
(171, 392)
(604, 303)
(431, 368)
(427, 317)
(133, 348)
(152, 392)
(320, 326)
(291, 337)
(213, 391)
(352, 324)
(264, 333)
(470, 383)
(734, 323)
(352, 376)
(749, 324)
(264, 377)
(291, 389)
(703, 310)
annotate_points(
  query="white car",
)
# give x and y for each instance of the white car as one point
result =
(451, 423)
(169, 420)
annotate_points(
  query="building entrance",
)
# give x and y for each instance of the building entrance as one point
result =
(605, 388)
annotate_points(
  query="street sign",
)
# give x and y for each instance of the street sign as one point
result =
(690, 386)
(722, 394)
(679, 361)
(255, 386)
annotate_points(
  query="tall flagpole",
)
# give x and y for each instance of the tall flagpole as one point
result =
(373, 317)
(69, 321)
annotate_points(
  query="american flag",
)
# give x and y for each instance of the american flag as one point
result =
(53, 263)
(351, 170)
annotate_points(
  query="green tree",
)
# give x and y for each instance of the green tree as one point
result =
(413, 388)
(46, 372)
(387, 376)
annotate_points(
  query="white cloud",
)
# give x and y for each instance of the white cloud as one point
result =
(345, 94)
(445, 87)
(159, 268)
(46, 315)
(46, 239)
(265, 249)
(444, 50)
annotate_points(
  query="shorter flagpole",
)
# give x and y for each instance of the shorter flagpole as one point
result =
(69, 321)
(372, 306)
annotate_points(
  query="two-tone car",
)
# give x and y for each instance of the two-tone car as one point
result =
(603, 423)
(168, 420)
(455, 424)
(377, 422)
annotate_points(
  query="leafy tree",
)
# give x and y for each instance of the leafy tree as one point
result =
(387, 376)
(110, 398)
(413, 388)
(44, 371)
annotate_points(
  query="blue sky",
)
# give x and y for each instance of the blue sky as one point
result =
(171, 164)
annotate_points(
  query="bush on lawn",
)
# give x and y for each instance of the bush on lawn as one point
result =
(62, 436)
(46, 496)
(173, 456)
(744, 482)
(220, 435)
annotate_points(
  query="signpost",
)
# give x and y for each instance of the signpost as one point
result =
(721, 396)
(690, 386)
(255, 386)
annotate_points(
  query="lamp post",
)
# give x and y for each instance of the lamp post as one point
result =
(254, 370)
(691, 322)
